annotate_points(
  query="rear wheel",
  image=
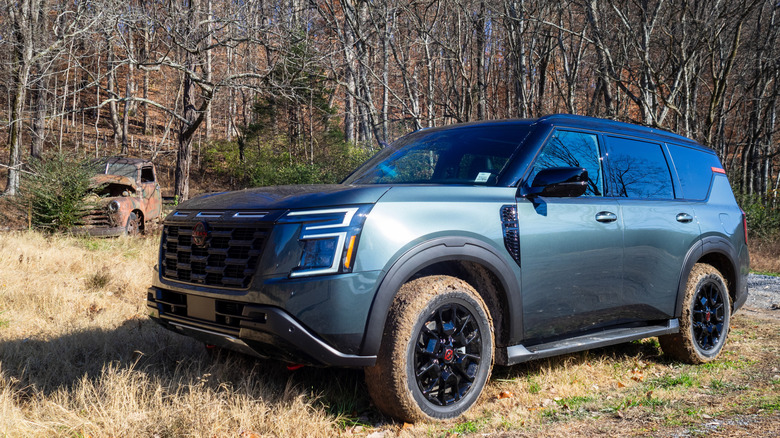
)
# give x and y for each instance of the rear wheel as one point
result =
(705, 320)
(436, 353)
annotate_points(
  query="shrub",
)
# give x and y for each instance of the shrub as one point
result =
(269, 162)
(763, 218)
(53, 192)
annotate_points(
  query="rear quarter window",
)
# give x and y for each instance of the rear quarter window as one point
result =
(694, 168)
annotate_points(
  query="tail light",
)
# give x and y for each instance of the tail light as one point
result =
(744, 225)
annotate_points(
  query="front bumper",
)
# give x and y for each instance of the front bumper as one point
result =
(258, 330)
(98, 231)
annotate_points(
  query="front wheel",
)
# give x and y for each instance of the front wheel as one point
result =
(436, 353)
(705, 320)
(132, 228)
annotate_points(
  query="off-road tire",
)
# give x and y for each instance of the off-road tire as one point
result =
(705, 319)
(132, 228)
(392, 382)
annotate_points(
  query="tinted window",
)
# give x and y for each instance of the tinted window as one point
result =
(572, 149)
(638, 169)
(694, 169)
(466, 155)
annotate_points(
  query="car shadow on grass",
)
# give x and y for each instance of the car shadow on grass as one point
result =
(41, 366)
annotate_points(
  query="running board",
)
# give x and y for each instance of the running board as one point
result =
(519, 353)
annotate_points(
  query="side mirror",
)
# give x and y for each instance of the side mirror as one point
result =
(558, 182)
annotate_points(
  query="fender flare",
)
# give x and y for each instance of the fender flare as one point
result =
(431, 252)
(703, 247)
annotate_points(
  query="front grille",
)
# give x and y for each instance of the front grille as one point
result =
(227, 259)
(96, 218)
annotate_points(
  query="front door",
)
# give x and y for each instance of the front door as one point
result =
(150, 189)
(571, 248)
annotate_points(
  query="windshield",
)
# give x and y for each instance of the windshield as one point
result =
(121, 169)
(473, 155)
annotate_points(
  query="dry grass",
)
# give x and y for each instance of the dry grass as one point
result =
(78, 357)
(765, 255)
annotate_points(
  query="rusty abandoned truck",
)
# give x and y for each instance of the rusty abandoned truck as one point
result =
(127, 196)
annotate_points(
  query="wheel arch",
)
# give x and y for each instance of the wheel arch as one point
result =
(718, 252)
(465, 258)
(139, 214)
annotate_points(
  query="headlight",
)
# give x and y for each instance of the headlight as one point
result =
(328, 238)
(113, 206)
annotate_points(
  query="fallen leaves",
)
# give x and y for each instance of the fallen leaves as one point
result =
(505, 394)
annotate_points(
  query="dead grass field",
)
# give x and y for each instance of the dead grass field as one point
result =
(78, 358)
(765, 255)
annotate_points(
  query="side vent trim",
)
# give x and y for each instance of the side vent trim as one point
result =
(511, 230)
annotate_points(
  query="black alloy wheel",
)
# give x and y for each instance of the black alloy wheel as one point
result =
(709, 315)
(705, 317)
(436, 352)
(447, 354)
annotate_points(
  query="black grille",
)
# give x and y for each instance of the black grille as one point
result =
(227, 259)
(511, 231)
(228, 314)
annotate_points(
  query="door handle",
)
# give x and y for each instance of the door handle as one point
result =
(606, 216)
(684, 218)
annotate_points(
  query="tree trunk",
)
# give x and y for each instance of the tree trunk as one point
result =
(208, 66)
(184, 155)
(15, 138)
(112, 94)
(481, 84)
(39, 117)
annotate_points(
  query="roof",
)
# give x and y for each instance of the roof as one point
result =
(615, 126)
(137, 162)
(576, 121)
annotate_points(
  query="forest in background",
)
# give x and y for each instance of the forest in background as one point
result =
(288, 87)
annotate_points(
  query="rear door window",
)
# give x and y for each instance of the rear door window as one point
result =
(572, 149)
(637, 169)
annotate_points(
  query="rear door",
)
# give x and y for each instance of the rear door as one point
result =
(571, 248)
(658, 229)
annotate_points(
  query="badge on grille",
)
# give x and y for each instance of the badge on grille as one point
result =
(199, 234)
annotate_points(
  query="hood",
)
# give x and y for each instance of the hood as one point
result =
(287, 197)
(104, 180)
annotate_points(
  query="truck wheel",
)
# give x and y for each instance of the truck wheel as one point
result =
(436, 353)
(705, 319)
(131, 229)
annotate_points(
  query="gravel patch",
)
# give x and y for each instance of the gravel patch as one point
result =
(763, 292)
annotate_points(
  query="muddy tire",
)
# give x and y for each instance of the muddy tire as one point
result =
(705, 319)
(132, 228)
(436, 353)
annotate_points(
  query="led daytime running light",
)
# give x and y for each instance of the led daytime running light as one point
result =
(341, 225)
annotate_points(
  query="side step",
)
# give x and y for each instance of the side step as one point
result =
(519, 353)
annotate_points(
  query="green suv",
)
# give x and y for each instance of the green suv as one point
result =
(459, 247)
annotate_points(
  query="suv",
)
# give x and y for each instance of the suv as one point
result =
(127, 196)
(459, 247)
